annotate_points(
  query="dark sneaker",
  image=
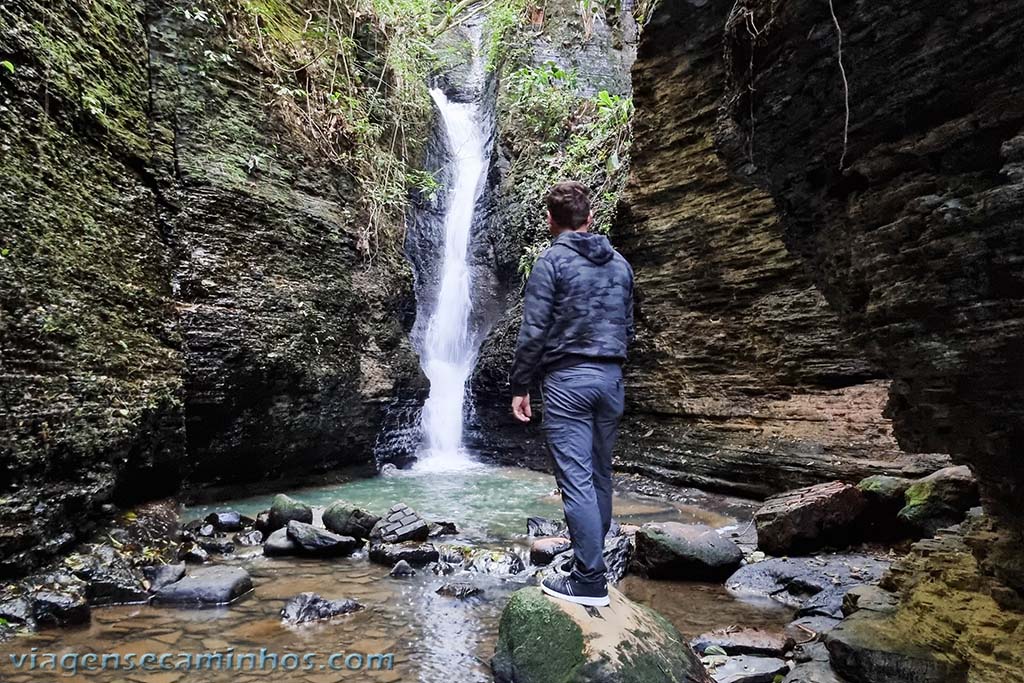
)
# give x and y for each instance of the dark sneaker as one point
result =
(564, 588)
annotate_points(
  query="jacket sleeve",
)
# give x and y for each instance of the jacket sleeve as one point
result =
(538, 305)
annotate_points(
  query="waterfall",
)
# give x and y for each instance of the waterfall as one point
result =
(449, 347)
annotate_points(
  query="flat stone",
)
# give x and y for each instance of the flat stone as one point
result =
(748, 669)
(306, 607)
(809, 518)
(745, 641)
(311, 540)
(869, 646)
(416, 554)
(694, 552)
(211, 585)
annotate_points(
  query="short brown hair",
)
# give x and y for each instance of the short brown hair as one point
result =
(569, 203)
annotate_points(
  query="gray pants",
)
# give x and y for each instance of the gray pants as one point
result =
(582, 407)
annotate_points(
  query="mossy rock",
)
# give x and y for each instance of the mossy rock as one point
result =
(286, 509)
(544, 640)
(939, 500)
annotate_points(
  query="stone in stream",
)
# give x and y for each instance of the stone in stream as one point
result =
(311, 540)
(160, 575)
(211, 585)
(57, 599)
(809, 518)
(278, 544)
(111, 578)
(402, 569)
(813, 585)
(459, 590)
(17, 611)
(192, 553)
(541, 639)
(443, 528)
(540, 526)
(618, 556)
(348, 520)
(262, 523)
(871, 647)
(217, 546)
(745, 641)
(401, 524)
(286, 509)
(416, 554)
(494, 562)
(748, 669)
(225, 520)
(306, 607)
(544, 550)
(249, 538)
(687, 552)
(939, 500)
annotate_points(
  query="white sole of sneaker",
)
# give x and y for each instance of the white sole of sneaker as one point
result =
(578, 599)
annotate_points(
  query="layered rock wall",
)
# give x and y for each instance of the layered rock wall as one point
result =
(181, 293)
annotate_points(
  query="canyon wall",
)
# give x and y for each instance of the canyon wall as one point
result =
(182, 293)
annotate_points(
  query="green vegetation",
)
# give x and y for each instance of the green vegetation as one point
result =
(7, 65)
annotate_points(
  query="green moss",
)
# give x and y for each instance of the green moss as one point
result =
(538, 641)
(919, 493)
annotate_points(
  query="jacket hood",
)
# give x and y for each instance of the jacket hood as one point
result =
(593, 247)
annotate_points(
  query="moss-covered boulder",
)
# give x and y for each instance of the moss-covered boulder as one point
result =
(544, 640)
(939, 500)
(286, 509)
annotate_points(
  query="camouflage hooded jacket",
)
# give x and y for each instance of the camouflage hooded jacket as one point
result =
(578, 307)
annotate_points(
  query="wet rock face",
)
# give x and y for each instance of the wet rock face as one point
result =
(915, 235)
(151, 281)
(742, 377)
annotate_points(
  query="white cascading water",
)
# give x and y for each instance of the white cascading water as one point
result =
(449, 352)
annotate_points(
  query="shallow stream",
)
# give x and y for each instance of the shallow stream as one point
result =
(432, 638)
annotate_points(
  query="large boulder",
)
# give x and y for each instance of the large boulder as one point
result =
(687, 552)
(939, 500)
(401, 524)
(544, 550)
(348, 520)
(544, 640)
(225, 520)
(809, 518)
(279, 544)
(871, 647)
(286, 509)
(311, 540)
(306, 607)
(212, 585)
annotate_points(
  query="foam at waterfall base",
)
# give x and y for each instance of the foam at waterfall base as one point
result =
(458, 460)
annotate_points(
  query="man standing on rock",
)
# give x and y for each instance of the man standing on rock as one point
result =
(577, 323)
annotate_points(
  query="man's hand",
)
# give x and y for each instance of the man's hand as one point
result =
(521, 408)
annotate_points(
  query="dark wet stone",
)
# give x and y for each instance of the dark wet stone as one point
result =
(870, 646)
(347, 520)
(286, 509)
(402, 569)
(217, 546)
(278, 544)
(618, 556)
(111, 578)
(160, 575)
(544, 550)
(262, 523)
(212, 585)
(306, 607)
(939, 500)
(809, 518)
(443, 529)
(249, 538)
(401, 524)
(416, 554)
(57, 599)
(745, 641)
(693, 552)
(17, 610)
(459, 590)
(748, 669)
(540, 526)
(192, 553)
(812, 584)
(884, 497)
(225, 520)
(312, 540)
